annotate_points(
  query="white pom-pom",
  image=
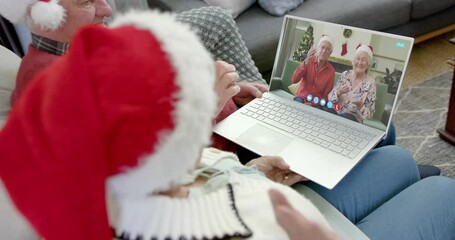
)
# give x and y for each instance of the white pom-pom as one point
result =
(48, 15)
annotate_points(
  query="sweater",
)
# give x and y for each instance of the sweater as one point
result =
(33, 62)
(233, 203)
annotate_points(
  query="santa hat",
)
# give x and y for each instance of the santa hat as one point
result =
(325, 38)
(366, 49)
(48, 14)
(128, 107)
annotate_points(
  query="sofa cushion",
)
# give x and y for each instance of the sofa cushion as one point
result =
(234, 7)
(423, 8)
(9, 65)
(279, 8)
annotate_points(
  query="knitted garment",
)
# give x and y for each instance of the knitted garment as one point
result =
(234, 202)
(212, 216)
(220, 35)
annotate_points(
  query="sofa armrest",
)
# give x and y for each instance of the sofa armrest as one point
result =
(339, 223)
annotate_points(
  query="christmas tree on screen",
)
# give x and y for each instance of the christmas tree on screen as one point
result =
(304, 45)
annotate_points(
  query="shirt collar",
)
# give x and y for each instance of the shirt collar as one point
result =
(49, 45)
(315, 62)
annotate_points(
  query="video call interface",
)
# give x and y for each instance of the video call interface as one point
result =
(364, 84)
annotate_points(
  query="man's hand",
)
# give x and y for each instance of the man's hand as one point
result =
(276, 169)
(295, 224)
(248, 92)
(226, 83)
(310, 54)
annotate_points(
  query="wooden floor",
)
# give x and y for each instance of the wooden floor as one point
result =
(429, 58)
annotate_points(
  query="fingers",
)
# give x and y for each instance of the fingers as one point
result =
(285, 214)
(292, 178)
(250, 89)
(223, 67)
(294, 223)
(277, 162)
(227, 78)
(278, 199)
(261, 87)
(226, 83)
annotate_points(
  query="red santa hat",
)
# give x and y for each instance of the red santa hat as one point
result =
(326, 38)
(364, 48)
(48, 14)
(129, 108)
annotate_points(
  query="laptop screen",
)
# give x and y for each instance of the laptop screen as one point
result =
(352, 72)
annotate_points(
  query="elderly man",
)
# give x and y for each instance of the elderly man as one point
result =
(315, 74)
(53, 24)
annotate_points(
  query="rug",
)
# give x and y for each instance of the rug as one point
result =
(422, 109)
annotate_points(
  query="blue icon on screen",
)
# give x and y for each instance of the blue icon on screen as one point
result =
(309, 97)
(316, 100)
(323, 102)
(330, 104)
(400, 44)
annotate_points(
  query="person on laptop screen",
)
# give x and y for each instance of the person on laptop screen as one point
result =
(355, 93)
(315, 74)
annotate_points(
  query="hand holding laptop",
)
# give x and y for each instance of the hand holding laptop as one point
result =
(276, 169)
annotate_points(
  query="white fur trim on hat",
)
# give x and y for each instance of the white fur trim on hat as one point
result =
(48, 15)
(325, 38)
(364, 48)
(178, 150)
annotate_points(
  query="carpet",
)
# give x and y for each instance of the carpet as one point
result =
(421, 110)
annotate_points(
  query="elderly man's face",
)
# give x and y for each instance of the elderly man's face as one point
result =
(324, 51)
(82, 12)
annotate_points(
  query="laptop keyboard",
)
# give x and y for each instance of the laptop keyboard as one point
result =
(336, 136)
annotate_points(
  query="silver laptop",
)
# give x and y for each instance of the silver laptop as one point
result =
(317, 142)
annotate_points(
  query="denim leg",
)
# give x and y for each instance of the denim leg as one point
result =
(425, 210)
(390, 139)
(382, 174)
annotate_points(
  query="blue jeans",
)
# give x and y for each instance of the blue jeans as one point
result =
(383, 191)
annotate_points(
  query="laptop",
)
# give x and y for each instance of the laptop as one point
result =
(313, 139)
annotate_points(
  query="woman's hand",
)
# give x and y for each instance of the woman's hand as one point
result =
(342, 90)
(359, 102)
(226, 83)
(295, 224)
(276, 169)
(248, 92)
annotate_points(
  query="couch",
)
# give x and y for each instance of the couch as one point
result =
(420, 19)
